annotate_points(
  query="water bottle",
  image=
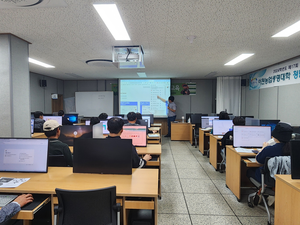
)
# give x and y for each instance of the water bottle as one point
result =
(182, 119)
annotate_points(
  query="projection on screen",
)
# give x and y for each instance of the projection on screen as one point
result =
(141, 96)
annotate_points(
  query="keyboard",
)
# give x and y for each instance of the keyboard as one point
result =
(5, 199)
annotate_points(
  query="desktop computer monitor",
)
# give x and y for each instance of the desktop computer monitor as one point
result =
(148, 118)
(138, 135)
(87, 122)
(32, 126)
(250, 136)
(104, 156)
(151, 117)
(295, 158)
(221, 127)
(24, 155)
(57, 118)
(144, 122)
(269, 123)
(105, 130)
(211, 118)
(252, 122)
(196, 118)
(247, 117)
(73, 117)
(69, 133)
(98, 130)
(204, 123)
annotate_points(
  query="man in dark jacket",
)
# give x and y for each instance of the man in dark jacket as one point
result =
(115, 127)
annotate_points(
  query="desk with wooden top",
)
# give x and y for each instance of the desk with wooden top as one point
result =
(180, 131)
(156, 139)
(236, 167)
(287, 200)
(214, 150)
(203, 140)
(142, 183)
(38, 135)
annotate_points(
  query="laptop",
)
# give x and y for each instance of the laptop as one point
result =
(69, 133)
(138, 135)
(103, 156)
(250, 136)
(295, 158)
(24, 155)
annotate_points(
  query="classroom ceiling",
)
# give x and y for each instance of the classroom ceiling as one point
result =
(68, 33)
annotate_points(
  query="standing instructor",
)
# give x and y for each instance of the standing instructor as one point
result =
(171, 112)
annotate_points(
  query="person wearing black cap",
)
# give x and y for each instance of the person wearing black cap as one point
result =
(281, 135)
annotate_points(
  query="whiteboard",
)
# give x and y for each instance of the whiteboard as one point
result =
(90, 104)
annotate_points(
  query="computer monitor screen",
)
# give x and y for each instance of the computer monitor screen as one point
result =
(269, 123)
(98, 130)
(138, 135)
(250, 136)
(87, 122)
(221, 127)
(57, 118)
(32, 115)
(196, 118)
(24, 155)
(252, 122)
(104, 156)
(72, 117)
(211, 118)
(151, 117)
(147, 119)
(247, 117)
(68, 133)
(32, 126)
(105, 130)
(295, 158)
(205, 123)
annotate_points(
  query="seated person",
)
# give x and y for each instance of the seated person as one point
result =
(281, 135)
(65, 120)
(115, 128)
(132, 118)
(38, 121)
(103, 116)
(14, 207)
(94, 120)
(139, 117)
(56, 147)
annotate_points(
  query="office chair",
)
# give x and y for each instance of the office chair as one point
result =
(88, 207)
(57, 161)
(267, 184)
(196, 119)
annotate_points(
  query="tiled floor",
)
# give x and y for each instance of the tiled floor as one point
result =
(194, 193)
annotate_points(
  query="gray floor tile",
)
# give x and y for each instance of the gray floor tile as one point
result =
(198, 186)
(242, 209)
(214, 220)
(221, 186)
(170, 185)
(174, 219)
(169, 173)
(254, 220)
(216, 175)
(184, 157)
(172, 203)
(207, 204)
(192, 173)
(167, 164)
(190, 164)
(182, 152)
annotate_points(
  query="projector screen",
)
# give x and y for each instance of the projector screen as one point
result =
(141, 96)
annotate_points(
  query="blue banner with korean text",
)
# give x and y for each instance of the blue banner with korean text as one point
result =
(278, 75)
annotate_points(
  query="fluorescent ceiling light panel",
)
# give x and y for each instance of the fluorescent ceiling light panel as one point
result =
(40, 63)
(142, 74)
(289, 31)
(238, 59)
(112, 19)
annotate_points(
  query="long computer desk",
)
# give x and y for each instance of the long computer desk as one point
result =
(143, 183)
(214, 150)
(203, 140)
(287, 200)
(236, 167)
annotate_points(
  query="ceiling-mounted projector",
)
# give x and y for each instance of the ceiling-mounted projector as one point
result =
(128, 57)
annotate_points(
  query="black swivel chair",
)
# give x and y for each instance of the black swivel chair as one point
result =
(266, 186)
(88, 207)
(57, 161)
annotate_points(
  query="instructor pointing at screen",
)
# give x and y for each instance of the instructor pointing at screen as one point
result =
(171, 112)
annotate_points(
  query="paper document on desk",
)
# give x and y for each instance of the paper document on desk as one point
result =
(252, 159)
(153, 135)
(9, 182)
(244, 150)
